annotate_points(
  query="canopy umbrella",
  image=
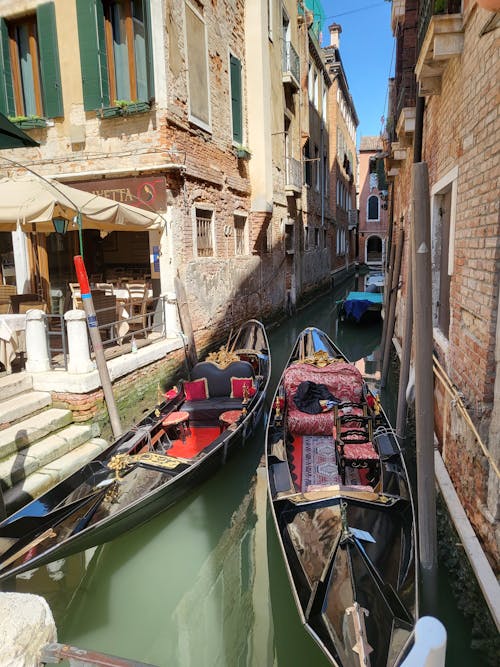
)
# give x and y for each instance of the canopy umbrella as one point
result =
(36, 201)
(12, 137)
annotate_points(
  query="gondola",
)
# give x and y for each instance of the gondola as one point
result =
(342, 507)
(186, 438)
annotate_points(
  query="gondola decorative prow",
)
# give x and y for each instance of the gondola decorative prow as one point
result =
(361, 647)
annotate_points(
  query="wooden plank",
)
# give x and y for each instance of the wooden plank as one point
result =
(185, 319)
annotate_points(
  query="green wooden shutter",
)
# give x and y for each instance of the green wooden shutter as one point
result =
(49, 60)
(7, 102)
(149, 49)
(93, 62)
(236, 105)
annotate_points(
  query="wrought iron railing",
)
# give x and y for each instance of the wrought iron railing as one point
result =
(291, 62)
(429, 8)
(293, 172)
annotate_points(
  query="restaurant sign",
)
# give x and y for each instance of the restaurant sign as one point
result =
(145, 192)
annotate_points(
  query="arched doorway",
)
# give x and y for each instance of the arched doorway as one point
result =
(374, 248)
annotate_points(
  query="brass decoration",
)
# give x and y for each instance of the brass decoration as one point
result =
(319, 359)
(222, 358)
(121, 462)
(246, 394)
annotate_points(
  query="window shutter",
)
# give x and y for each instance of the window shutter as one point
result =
(93, 63)
(49, 60)
(7, 103)
(149, 49)
(235, 66)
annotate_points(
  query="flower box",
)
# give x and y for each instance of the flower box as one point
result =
(124, 109)
(243, 153)
(29, 123)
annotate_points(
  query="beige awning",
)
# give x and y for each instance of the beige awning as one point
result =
(34, 201)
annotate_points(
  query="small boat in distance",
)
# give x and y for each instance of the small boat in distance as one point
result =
(361, 307)
(179, 444)
(341, 502)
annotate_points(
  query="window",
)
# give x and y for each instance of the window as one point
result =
(310, 82)
(268, 238)
(372, 208)
(236, 99)
(204, 233)
(307, 164)
(316, 237)
(30, 82)
(197, 63)
(240, 241)
(317, 170)
(444, 198)
(115, 51)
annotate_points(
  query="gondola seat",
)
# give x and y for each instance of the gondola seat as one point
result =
(343, 380)
(206, 412)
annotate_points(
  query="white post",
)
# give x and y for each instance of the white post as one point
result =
(37, 344)
(429, 649)
(79, 360)
(21, 261)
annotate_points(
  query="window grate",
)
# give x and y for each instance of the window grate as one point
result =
(204, 237)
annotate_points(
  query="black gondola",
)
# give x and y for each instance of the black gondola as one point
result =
(342, 507)
(180, 443)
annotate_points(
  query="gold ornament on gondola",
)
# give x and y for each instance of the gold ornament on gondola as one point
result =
(222, 358)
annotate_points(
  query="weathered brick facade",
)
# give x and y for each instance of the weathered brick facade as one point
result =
(461, 133)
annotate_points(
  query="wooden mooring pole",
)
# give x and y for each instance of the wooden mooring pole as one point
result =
(404, 367)
(424, 385)
(391, 315)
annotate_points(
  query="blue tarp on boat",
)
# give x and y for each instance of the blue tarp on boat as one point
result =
(357, 303)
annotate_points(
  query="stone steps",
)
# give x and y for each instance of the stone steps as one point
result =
(19, 406)
(39, 445)
(51, 474)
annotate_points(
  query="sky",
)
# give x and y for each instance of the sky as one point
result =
(367, 52)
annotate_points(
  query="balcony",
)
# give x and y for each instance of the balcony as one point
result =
(440, 37)
(291, 66)
(293, 176)
(406, 126)
(397, 14)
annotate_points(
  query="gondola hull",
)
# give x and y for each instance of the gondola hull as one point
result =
(101, 501)
(343, 512)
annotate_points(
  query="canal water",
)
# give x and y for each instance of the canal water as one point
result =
(203, 584)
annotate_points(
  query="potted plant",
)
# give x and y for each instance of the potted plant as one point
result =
(123, 108)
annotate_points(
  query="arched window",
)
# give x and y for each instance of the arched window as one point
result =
(373, 208)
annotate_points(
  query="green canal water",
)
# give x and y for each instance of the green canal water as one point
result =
(203, 584)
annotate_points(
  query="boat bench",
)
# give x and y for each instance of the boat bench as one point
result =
(205, 412)
(343, 380)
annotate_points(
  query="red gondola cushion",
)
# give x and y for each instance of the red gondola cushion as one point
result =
(237, 385)
(362, 452)
(197, 390)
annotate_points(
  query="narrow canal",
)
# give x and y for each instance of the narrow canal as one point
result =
(203, 584)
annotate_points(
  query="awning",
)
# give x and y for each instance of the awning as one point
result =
(12, 137)
(31, 200)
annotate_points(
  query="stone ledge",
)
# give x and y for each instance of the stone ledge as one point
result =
(62, 381)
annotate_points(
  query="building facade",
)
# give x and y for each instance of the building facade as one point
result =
(343, 160)
(373, 208)
(453, 50)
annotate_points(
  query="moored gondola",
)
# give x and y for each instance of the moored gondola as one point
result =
(179, 444)
(342, 507)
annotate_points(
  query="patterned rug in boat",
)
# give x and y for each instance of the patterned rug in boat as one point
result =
(318, 462)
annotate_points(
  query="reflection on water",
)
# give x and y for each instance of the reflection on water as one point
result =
(203, 584)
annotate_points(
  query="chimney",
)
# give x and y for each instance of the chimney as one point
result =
(335, 30)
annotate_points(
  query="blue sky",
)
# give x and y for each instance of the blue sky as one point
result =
(367, 51)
